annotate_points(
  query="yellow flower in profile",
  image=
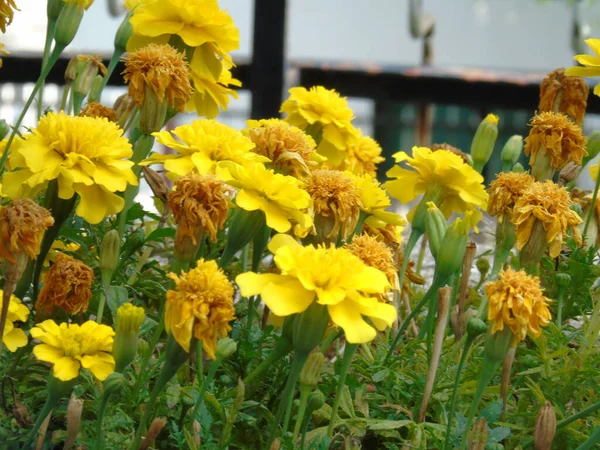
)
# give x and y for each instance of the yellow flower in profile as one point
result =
(86, 155)
(516, 301)
(374, 202)
(67, 286)
(556, 137)
(71, 347)
(504, 192)
(363, 156)
(590, 63)
(550, 205)
(22, 226)
(375, 253)
(200, 204)
(323, 112)
(201, 306)
(14, 337)
(290, 150)
(331, 276)
(7, 12)
(453, 185)
(162, 69)
(336, 202)
(281, 197)
(2, 52)
(94, 109)
(202, 145)
(85, 4)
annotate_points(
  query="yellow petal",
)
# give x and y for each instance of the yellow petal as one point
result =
(282, 240)
(15, 339)
(287, 297)
(347, 316)
(45, 352)
(66, 368)
(101, 365)
(251, 283)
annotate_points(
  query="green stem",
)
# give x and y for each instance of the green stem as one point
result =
(332, 335)
(282, 348)
(99, 421)
(367, 351)
(410, 245)
(346, 360)
(461, 364)
(46, 409)
(559, 304)
(65, 96)
(304, 393)
(288, 393)
(50, 28)
(500, 258)
(112, 64)
(421, 257)
(592, 210)
(102, 302)
(212, 370)
(77, 102)
(592, 441)
(583, 413)
(54, 56)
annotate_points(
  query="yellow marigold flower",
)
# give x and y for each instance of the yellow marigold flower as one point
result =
(504, 192)
(2, 52)
(590, 63)
(86, 155)
(445, 146)
(67, 286)
(210, 94)
(363, 156)
(200, 204)
(550, 205)
(290, 150)
(453, 185)
(374, 202)
(564, 94)
(328, 275)
(70, 347)
(516, 301)
(85, 4)
(556, 137)
(94, 109)
(203, 145)
(281, 197)
(375, 253)
(7, 11)
(161, 68)
(201, 305)
(15, 338)
(336, 202)
(22, 227)
(323, 112)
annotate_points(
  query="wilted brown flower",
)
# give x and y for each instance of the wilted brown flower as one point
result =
(94, 109)
(504, 192)
(375, 253)
(567, 95)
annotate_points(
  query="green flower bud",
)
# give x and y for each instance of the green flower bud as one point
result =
(563, 279)
(153, 112)
(309, 328)
(75, 66)
(142, 346)
(127, 327)
(114, 383)
(86, 77)
(435, 227)
(592, 148)
(511, 151)
(476, 327)
(482, 146)
(316, 400)
(124, 32)
(497, 345)
(67, 23)
(123, 107)
(243, 227)
(311, 372)
(96, 89)
(518, 168)
(483, 265)
(109, 255)
(453, 246)
(54, 8)
(225, 348)
(4, 129)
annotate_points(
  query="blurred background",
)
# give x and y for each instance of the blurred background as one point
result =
(414, 71)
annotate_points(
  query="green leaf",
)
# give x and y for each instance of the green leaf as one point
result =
(388, 424)
(160, 233)
(115, 297)
(498, 434)
(380, 376)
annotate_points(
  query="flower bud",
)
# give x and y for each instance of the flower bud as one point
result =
(4, 128)
(478, 435)
(476, 327)
(53, 9)
(592, 148)
(225, 348)
(483, 265)
(311, 372)
(511, 151)
(157, 184)
(128, 322)
(569, 173)
(243, 227)
(316, 400)
(123, 107)
(86, 77)
(482, 146)
(563, 279)
(67, 23)
(124, 32)
(96, 89)
(435, 227)
(453, 246)
(142, 346)
(309, 328)
(109, 255)
(545, 428)
(73, 68)
(497, 345)
(153, 112)
(518, 168)
(114, 383)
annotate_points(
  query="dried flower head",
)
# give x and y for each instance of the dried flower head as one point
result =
(7, 11)
(94, 60)
(564, 94)
(336, 202)
(411, 276)
(391, 235)
(22, 226)
(201, 305)
(504, 192)
(363, 156)
(557, 138)
(375, 253)
(94, 109)
(517, 302)
(451, 148)
(550, 205)
(161, 68)
(200, 204)
(290, 150)
(67, 286)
